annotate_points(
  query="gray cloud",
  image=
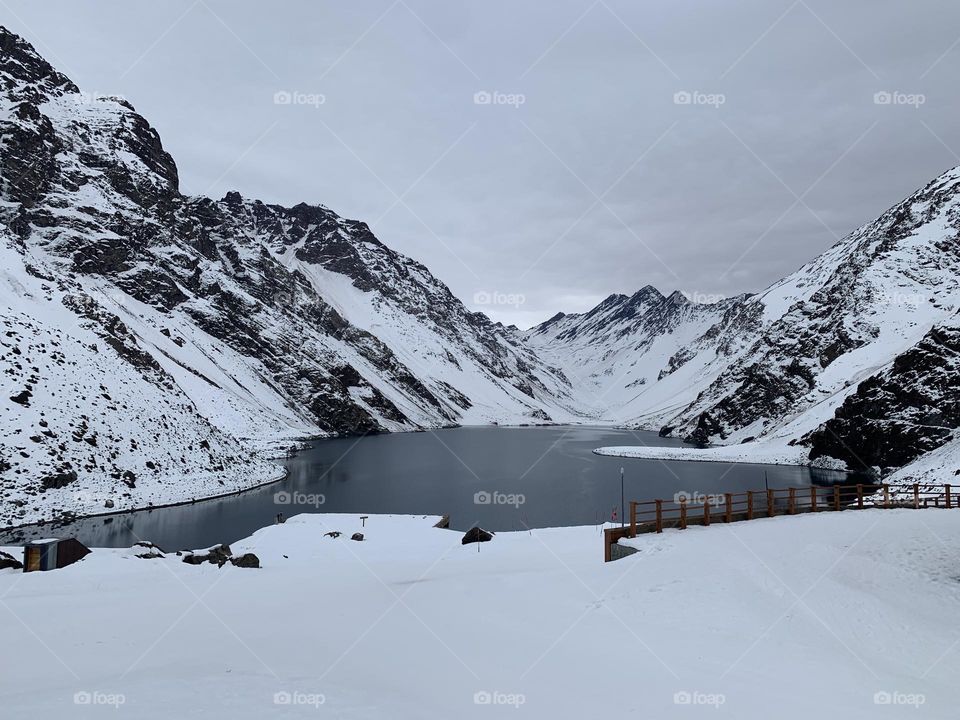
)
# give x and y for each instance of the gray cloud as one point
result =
(502, 197)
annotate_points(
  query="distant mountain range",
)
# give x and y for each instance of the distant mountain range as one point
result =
(157, 347)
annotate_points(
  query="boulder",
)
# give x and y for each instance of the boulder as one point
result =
(9, 561)
(247, 560)
(357, 536)
(476, 534)
(108, 504)
(220, 554)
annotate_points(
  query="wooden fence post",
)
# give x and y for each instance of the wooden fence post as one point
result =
(749, 504)
(946, 492)
(706, 512)
(769, 503)
(633, 518)
(607, 550)
(836, 497)
(683, 513)
(792, 503)
(886, 495)
(916, 496)
(813, 498)
(659, 516)
(729, 501)
(859, 496)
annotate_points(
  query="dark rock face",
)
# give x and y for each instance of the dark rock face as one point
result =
(897, 416)
(476, 535)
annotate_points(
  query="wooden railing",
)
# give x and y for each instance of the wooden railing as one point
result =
(685, 509)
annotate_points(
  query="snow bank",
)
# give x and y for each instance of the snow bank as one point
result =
(756, 454)
(835, 615)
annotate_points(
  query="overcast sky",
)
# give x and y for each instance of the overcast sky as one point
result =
(539, 156)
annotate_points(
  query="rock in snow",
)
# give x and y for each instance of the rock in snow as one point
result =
(476, 535)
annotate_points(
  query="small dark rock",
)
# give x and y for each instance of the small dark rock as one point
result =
(333, 534)
(247, 560)
(357, 536)
(476, 534)
(9, 561)
(108, 503)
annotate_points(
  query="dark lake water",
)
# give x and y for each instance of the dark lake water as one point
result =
(498, 478)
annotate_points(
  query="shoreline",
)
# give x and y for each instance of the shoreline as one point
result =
(299, 445)
(717, 454)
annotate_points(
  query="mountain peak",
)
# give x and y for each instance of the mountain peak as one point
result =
(28, 76)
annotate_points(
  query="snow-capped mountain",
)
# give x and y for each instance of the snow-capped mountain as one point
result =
(156, 347)
(154, 344)
(866, 331)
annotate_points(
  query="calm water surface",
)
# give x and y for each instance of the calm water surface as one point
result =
(498, 478)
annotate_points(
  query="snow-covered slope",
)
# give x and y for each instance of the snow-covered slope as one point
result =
(833, 615)
(161, 338)
(775, 367)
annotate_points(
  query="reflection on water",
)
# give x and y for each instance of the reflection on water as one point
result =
(499, 478)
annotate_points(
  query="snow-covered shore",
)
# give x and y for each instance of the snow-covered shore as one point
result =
(755, 454)
(835, 615)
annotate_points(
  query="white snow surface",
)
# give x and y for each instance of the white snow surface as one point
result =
(827, 615)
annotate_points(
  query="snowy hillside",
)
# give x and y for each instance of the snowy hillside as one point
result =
(154, 345)
(774, 367)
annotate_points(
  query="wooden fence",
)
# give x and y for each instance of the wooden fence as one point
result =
(685, 509)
